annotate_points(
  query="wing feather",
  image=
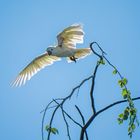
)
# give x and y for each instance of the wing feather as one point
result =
(70, 36)
(32, 68)
(81, 53)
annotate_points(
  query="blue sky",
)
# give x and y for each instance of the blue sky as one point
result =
(28, 27)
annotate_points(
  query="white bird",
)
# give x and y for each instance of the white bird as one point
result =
(66, 47)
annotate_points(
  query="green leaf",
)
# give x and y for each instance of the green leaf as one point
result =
(125, 117)
(121, 115)
(124, 93)
(133, 111)
(122, 82)
(133, 126)
(130, 131)
(130, 134)
(115, 71)
(125, 81)
(101, 62)
(47, 128)
(52, 130)
(126, 112)
(120, 121)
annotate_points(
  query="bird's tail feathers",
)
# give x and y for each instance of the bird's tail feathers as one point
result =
(81, 53)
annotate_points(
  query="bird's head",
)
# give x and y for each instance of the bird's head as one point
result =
(50, 50)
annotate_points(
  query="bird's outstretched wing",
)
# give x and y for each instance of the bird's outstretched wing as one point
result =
(36, 65)
(70, 36)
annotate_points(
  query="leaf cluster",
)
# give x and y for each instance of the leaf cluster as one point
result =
(130, 112)
(52, 130)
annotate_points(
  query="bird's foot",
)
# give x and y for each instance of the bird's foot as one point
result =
(73, 58)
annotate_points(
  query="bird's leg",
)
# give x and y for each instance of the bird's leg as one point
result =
(73, 58)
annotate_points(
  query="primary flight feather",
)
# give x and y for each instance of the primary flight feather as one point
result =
(66, 47)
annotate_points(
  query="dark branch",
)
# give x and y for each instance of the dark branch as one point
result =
(99, 112)
(42, 127)
(115, 103)
(83, 120)
(60, 101)
(50, 124)
(73, 119)
(91, 97)
(92, 88)
(44, 114)
(63, 114)
(67, 125)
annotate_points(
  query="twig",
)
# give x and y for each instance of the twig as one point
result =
(83, 120)
(94, 114)
(115, 103)
(92, 88)
(50, 124)
(43, 118)
(63, 114)
(91, 97)
(99, 112)
(63, 101)
(72, 119)
(67, 125)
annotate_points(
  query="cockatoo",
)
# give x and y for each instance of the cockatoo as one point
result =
(66, 47)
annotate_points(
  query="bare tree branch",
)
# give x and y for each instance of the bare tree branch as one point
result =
(63, 114)
(50, 124)
(91, 98)
(67, 125)
(59, 102)
(92, 88)
(43, 118)
(99, 112)
(83, 120)
(63, 100)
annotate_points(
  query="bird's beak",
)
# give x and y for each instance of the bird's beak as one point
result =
(49, 52)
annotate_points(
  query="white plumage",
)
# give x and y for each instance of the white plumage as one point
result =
(66, 47)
